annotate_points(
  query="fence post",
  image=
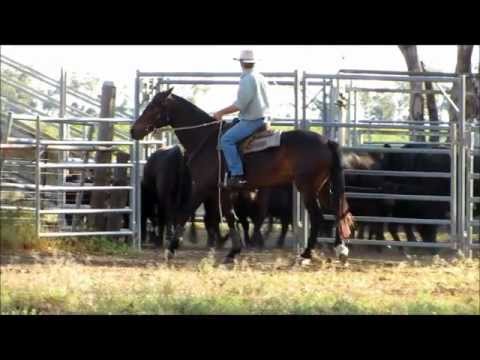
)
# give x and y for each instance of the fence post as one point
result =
(37, 177)
(461, 165)
(469, 190)
(305, 126)
(135, 195)
(295, 194)
(102, 175)
(8, 129)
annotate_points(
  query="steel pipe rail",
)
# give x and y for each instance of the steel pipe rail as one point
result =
(86, 211)
(207, 74)
(388, 72)
(377, 126)
(396, 150)
(16, 208)
(86, 233)
(395, 220)
(82, 166)
(357, 195)
(84, 142)
(380, 78)
(220, 82)
(417, 244)
(83, 188)
(421, 174)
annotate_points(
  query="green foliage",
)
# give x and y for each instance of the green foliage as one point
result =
(17, 230)
(93, 245)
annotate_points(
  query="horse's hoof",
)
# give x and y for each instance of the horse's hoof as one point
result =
(305, 262)
(228, 260)
(169, 254)
(341, 251)
(343, 259)
(307, 254)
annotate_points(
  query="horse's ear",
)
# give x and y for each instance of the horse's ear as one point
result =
(168, 92)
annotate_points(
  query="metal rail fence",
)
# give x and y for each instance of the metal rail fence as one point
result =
(457, 148)
(460, 148)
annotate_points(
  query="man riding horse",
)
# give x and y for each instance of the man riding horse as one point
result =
(252, 102)
(309, 160)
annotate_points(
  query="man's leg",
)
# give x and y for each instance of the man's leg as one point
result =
(229, 142)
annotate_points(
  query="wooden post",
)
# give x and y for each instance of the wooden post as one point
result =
(118, 198)
(103, 175)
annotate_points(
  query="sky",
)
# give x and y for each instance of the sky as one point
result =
(120, 63)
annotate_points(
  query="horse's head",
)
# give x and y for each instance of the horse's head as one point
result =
(154, 116)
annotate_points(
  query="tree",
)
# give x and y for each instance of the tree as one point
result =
(464, 66)
(431, 105)
(417, 104)
(379, 106)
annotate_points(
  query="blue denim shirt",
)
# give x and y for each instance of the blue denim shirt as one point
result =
(252, 99)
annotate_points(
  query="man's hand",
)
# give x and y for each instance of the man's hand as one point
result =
(228, 110)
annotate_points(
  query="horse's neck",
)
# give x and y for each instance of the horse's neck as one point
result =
(185, 114)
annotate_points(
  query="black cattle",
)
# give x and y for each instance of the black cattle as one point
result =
(250, 205)
(418, 186)
(280, 206)
(272, 202)
(367, 184)
(166, 187)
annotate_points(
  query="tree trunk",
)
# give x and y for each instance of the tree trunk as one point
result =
(410, 54)
(464, 66)
(431, 106)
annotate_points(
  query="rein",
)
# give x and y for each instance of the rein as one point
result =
(159, 130)
(199, 147)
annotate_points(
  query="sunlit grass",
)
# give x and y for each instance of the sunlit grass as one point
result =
(64, 286)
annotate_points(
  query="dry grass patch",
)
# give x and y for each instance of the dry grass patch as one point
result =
(62, 285)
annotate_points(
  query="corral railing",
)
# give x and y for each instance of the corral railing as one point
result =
(347, 131)
(49, 199)
(458, 137)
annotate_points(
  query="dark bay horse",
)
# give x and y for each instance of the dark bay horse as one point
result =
(310, 160)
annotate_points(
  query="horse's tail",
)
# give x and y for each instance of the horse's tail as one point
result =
(344, 219)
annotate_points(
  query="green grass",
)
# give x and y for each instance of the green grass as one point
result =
(16, 234)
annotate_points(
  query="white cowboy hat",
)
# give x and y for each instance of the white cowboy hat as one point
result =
(246, 56)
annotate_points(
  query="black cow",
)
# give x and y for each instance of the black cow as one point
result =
(166, 186)
(418, 186)
(280, 205)
(272, 202)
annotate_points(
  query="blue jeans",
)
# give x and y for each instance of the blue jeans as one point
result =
(229, 141)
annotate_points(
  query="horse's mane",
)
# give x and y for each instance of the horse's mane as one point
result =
(199, 113)
(196, 111)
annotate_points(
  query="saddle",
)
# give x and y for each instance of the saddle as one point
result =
(263, 138)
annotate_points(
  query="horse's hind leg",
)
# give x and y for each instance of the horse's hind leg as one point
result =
(281, 240)
(246, 227)
(310, 199)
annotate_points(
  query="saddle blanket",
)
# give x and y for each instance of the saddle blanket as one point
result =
(261, 141)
